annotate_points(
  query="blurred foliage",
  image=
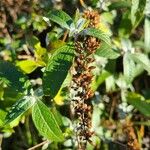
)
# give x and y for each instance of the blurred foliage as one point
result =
(36, 52)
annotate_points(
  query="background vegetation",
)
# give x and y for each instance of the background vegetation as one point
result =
(32, 39)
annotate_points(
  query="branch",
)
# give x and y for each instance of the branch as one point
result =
(38, 145)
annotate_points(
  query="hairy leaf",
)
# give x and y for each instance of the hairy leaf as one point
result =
(143, 60)
(128, 67)
(19, 108)
(57, 69)
(106, 51)
(45, 122)
(98, 34)
(61, 18)
(138, 102)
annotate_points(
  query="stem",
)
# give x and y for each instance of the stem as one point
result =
(136, 25)
(65, 36)
(83, 3)
(38, 145)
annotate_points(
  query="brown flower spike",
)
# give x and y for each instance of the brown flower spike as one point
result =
(85, 47)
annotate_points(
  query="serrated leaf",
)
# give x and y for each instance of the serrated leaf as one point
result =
(45, 122)
(128, 67)
(134, 9)
(106, 51)
(142, 59)
(57, 69)
(138, 102)
(61, 18)
(98, 34)
(19, 108)
(137, 13)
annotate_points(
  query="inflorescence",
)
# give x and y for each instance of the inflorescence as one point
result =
(85, 47)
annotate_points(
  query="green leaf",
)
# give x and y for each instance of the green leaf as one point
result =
(98, 34)
(77, 16)
(128, 67)
(27, 66)
(131, 68)
(119, 5)
(2, 118)
(61, 18)
(57, 116)
(31, 40)
(147, 34)
(138, 102)
(110, 83)
(39, 51)
(125, 25)
(106, 51)
(15, 80)
(57, 69)
(134, 10)
(19, 108)
(142, 59)
(137, 13)
(100, 79)
(147, 26)
(147, 8)
(45, 122)
(138, 70)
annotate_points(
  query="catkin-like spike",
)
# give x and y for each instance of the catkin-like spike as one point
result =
(82, 78)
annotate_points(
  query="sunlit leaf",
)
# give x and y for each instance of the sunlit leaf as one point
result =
(2, 118)
(61, 18)
(57, 69)
(97, 33)
(128, 67)
(143, 60)
(106, 51)
(46, 122)
(19, 108)
(27, 66)
(39, 51)
(147, 34)
(134, 10)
